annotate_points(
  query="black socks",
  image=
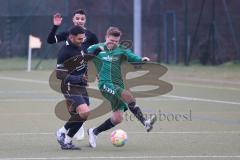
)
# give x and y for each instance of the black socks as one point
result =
(104, 126)
(137, 112)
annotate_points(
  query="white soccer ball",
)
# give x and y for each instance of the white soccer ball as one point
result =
(118, 138)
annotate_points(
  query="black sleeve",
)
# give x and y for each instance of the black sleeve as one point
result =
(61, 73)
(66, 65)
(75, 79)
(61, 70)
(91, 38)
(55, 38)
(94, 39)
(51, 36)
(63, 55)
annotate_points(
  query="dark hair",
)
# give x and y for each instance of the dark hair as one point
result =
(79, 11)
(76, 30)
(114, 31)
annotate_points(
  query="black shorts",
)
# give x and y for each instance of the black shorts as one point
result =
(75, 95)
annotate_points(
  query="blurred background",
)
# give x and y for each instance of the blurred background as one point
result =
(185, 32)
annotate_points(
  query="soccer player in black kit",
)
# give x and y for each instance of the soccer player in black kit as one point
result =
(71, 69)
(79, 19)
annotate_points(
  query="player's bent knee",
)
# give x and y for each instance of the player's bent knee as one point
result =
(117, 117)
(117, 120)
(127, 96)
(83, 111)
(84, 116)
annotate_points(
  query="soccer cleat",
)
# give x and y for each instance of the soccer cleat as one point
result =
(80, 134)
(69, 146)
(92, 138)
(148, 124)
(60, 137)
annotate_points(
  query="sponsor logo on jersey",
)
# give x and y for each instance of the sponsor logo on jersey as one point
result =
(110, 58)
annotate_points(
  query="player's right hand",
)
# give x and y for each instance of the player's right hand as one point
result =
(57, 19)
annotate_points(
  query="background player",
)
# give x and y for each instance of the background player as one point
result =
(79, 19)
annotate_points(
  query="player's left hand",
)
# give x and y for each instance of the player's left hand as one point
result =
(145, 59)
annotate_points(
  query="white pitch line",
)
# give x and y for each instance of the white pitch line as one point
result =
(128, 157)
(190, 99)
(170, 96)
(189, 132)
(177, 98)
(59, 99)
(206, 86)
(24, 80)
(231, 82)
(132, 132)
(24, 92)
(30, 99)
(26, 114)
(26, 134)
(47, 82)
(202, 99)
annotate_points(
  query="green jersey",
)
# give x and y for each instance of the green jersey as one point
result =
(108, 62)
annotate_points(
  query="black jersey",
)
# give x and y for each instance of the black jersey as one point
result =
(71, 58)
(91, 38)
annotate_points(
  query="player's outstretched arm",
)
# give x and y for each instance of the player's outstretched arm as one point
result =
(62, 74)
(53, 37)
(57, 20)
(131, 57)
(93, 53)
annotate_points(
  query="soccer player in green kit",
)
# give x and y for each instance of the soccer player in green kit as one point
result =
(108, 64)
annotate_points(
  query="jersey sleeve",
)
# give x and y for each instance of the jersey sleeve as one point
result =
(55, 38)
(91, 49)
(51, 37)
(61, 37)
(61, 71)
(93, 39)
(131, 57)
(92, 52)
(62, 56)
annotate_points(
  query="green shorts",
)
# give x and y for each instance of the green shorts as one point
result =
(112, 93)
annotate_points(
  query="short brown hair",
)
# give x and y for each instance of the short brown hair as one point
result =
(114, 31)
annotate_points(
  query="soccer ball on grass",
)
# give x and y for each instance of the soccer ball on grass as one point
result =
(118, 138)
